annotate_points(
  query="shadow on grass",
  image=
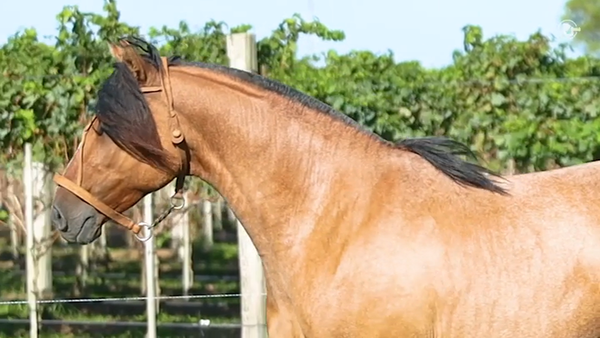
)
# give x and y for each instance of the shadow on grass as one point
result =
(11, 284)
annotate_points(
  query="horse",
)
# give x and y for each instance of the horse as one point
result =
(358, 236)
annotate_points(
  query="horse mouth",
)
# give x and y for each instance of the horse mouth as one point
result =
(88, 232)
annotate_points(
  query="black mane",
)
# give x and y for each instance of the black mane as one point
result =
(443, 153)
(126, 118)
(270, 85)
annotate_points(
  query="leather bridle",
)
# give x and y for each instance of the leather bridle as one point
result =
(177, 201)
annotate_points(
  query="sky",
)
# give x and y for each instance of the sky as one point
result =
(423, 30)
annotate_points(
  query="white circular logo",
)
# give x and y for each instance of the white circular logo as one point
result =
(569, 28)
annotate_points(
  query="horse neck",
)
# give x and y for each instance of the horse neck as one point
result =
(275, 161)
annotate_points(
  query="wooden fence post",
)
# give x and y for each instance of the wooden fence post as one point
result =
(150, 271)
(30, 251)
(218, 213)
(42, 230)
(187, 274)
(207, 222)
(82, 268)
(241, 50)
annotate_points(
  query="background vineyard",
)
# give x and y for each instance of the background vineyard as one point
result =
(523, 105)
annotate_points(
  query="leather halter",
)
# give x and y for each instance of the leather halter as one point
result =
(177, 201)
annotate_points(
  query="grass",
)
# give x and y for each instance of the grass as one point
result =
(220, 260)
(61, 332)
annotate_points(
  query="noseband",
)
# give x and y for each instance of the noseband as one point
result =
(176, 202)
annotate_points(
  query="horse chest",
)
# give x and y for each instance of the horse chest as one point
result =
(350, 309)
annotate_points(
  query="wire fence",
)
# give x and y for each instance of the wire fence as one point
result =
(121, 299)
(202, 323)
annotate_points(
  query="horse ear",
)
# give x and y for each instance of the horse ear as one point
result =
(125, 53)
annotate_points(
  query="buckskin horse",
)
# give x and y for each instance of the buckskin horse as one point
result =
(359, 237)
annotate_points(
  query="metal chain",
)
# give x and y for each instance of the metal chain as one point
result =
(177, 203)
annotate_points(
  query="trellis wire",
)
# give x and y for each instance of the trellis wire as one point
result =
(119, 299)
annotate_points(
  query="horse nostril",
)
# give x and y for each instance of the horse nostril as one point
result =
(58, 221)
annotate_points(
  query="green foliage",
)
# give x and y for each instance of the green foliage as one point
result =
(586, 14)
(509, 99)
(206, 45)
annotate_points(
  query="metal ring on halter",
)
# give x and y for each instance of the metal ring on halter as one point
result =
(177, 205)
(148, 235)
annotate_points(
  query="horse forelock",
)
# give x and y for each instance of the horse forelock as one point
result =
(126, 118)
